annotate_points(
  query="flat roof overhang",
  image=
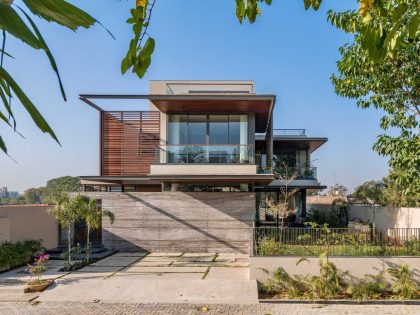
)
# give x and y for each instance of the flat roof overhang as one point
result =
(260, 104)
(258, 179)
(294, 184)
(297, 142)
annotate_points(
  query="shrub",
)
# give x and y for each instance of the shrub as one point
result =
(19, 253)
(282, 282)
(267, 246)
(371, 287)
(404, 285)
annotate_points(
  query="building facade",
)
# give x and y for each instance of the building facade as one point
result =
(197, 169)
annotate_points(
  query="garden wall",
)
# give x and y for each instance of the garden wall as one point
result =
(357, 266)
(22, 222)
(385, 217)
(178, 221)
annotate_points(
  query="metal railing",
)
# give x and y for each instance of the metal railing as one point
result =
(299, 172)
(205, 154)
(288, 241)
(289, 132)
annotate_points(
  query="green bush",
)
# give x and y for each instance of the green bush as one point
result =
(19, 253)
(332, 283)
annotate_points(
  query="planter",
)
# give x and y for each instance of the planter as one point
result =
(39, 286)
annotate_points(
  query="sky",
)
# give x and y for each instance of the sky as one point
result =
(289, 52)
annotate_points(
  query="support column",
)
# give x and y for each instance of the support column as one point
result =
(269, 145)
(303, 197)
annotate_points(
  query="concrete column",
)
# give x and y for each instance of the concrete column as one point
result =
(269, 144)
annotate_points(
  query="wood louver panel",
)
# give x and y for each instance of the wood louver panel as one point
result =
(129, 141)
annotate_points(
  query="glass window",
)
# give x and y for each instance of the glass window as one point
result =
(219, 129)
(234, 129)
(197, 129)
(177, 129)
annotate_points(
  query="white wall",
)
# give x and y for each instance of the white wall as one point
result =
(386, 217)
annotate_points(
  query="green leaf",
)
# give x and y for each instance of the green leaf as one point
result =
(125, 65)
(148, 48)
(268, 2)
(61, 12)
(399, 11)
(11, 22)
(3, 145)
(29, 106)
(307, 4)
(48, 52)
(4, 118)
(316, 4)
(413, 26)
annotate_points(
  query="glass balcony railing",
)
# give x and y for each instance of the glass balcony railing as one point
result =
(303, 172)
(205, 154)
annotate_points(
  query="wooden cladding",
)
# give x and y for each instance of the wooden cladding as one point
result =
(128, 143)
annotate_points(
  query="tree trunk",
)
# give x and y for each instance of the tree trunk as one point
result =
(69, 242)
(88, 248)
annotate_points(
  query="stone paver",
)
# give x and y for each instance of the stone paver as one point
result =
(228, 273)
(119, 261)
(99, 308)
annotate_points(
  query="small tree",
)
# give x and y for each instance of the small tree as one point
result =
(92, 214)
(282, 207)
(67, 211)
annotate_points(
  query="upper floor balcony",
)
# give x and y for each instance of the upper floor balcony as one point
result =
(205, 154)
(290, 172)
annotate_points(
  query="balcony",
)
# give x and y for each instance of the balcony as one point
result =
(205, 154)
(305, 172)
(289, 132)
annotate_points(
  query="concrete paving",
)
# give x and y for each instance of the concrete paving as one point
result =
(146, 278)
(13, 282)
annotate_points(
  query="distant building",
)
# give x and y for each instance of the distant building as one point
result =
(5, 193)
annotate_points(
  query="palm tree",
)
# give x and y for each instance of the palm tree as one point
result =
(92, 214)
(67, 211)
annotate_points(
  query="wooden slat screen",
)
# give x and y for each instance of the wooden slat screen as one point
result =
(128, 142)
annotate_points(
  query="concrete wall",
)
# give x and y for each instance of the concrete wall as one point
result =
(178, 221)
(357, 266)
(21, 222)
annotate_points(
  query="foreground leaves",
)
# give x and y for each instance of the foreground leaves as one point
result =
(57, 11)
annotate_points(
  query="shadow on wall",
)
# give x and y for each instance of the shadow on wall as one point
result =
(175, 221)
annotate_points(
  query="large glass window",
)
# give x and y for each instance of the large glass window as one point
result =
(208, 129)
(178, 129)
(197, 129)
(207, 139)
(219, 129)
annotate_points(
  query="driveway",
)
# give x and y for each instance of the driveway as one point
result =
(151, 278)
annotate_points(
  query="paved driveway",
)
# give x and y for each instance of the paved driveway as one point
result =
(152, 278)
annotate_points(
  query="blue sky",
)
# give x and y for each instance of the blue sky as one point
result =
(289, 52)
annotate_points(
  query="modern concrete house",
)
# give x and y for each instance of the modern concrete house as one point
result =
(195, 170)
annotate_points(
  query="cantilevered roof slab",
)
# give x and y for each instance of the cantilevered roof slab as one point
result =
(260, 104)
(258, 179)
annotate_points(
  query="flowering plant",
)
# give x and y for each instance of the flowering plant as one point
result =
(39, 266)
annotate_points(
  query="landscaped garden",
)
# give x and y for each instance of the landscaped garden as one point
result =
(310, 241)
(396, 282)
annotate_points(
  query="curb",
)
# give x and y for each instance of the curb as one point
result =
(344, 302)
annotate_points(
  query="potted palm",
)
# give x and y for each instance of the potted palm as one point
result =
(36, 270)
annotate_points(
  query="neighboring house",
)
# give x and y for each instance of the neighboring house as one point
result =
(192, 172)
